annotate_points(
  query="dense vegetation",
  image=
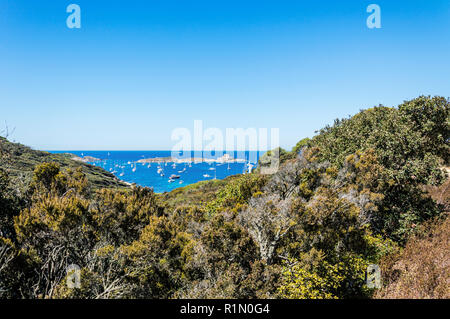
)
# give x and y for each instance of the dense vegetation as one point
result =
(19, 161)
(358, 193)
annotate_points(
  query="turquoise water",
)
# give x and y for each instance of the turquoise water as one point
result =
(123, 164)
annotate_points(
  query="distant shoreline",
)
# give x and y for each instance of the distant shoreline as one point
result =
(85, 159)
(170, 159)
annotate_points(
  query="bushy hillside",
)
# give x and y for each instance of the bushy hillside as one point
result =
(19, 161)
(410, 142)
(422, 268)
(356, 194)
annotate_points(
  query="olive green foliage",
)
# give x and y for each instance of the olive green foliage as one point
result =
(318, 279)
(198, 194)
(278, 154)
(9, 206)
(401, 138)
(19, 161)
(411, 142)
(349, 197)
(300, 145)
(236, 193)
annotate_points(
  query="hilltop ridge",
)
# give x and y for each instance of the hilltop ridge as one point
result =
(20, 160)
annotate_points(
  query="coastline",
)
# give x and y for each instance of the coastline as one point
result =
(190, 160)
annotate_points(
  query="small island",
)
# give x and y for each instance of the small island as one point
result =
(85, 159)
(169, 159)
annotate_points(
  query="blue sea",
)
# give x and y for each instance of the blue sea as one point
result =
(123, 164)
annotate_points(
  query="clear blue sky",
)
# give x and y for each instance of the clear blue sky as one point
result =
(138, 69)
